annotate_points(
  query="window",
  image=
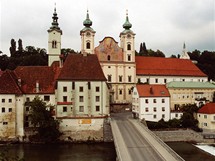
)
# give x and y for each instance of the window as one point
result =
(54, 44)
(108, 57)
(120, 91)
(10, 110)
(146, 101)
(120, 78)
(129, 78)
(64, 98)
(205, 116)
(165, 81)
(129, 91)
(9, 100)
(97, 108)
(97, 98)
(81, 98)
(81, 108)
(163, 100)
(154, 109)
(147, 109)
(3, 100)
(109, 78)
(205, 124)
(97, 89)
(88, 45)
(156, 80)
(27, 99)
(129, 57)
(81, 89)
(147, 80)
(176, 115)
(154, 101)
(163, 116)
(46, 98)
(109, 66)
(73, 85)
(2, 109)
(4, 123)
(65, 89)
(163, 108)
(214, 117)
(129, 47)
(154, 116)
(64, 109)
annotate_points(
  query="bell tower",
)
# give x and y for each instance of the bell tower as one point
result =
(54, 40)
(127, 41)
(87, 36)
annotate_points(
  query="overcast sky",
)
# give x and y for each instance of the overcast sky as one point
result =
(161, 24)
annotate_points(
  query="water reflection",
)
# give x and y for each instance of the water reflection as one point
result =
(64, 152)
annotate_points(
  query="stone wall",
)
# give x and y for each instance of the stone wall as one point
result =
(182, 135)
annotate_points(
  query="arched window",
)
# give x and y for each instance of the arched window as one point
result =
(108, 57)
(129, 47)
(54, 44)
(88, 45)
(129, 57)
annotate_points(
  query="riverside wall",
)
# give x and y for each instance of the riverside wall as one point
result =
(186, 135)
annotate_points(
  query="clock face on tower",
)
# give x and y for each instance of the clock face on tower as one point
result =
(128, 36)
(88, 34)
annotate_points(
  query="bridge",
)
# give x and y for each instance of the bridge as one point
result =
(134, 142)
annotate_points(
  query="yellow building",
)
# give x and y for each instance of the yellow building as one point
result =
(206, 116)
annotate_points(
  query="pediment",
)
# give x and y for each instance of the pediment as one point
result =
(109, 49)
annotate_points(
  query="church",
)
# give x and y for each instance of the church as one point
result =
(84, 88)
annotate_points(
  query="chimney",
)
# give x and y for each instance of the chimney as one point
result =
(37, 87)
(19, 82)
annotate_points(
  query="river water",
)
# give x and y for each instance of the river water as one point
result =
(92, 152)
(63, 152)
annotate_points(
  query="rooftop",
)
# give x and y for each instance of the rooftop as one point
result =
(152, 90)
(205, 85)
(208, 108)
(166, 67)
(83, 68)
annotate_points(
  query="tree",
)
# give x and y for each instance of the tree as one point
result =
(43, 121)
(13, 47)
(20, 48)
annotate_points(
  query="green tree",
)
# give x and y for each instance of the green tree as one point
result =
(43, 121)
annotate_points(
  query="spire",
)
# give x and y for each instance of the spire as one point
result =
(184, 54)
(87, 22)
(127, 25)
(55, 20)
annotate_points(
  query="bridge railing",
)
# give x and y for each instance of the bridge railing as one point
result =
(172, 152)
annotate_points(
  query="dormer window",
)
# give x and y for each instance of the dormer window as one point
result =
(54, 44)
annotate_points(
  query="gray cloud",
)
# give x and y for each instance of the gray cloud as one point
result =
(163, 24)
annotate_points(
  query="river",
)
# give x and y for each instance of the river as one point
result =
(63, 152)
(92, 152)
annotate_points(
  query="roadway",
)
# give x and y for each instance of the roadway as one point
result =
(133, 143)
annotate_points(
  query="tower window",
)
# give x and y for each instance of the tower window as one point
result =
(108, 57)
(88, 45)
(54, 44)
(120, 78)
(129, 47)
(129, 57)
(109, 78)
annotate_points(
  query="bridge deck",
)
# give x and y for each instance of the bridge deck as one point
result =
(134, 142)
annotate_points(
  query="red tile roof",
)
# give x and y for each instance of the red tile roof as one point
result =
(208, 108)
(166, 67)
(79, 67)
(146, 90)
(44, 75)
(8, 84)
